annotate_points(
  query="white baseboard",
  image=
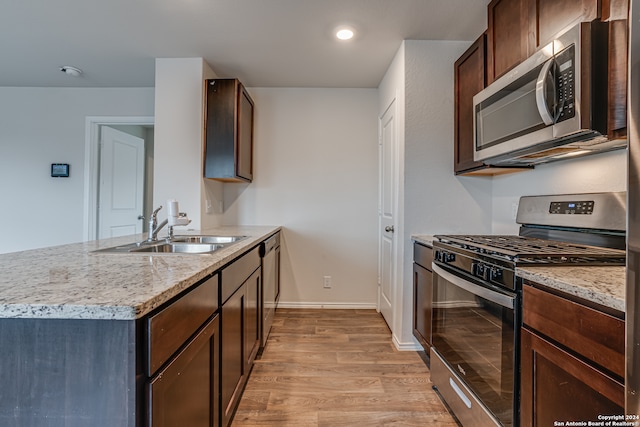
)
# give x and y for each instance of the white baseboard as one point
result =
(407, 346)
(328, 305)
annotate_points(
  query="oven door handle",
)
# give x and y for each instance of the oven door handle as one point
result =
(503, 300)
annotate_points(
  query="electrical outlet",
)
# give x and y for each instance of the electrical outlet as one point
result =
(326, 282)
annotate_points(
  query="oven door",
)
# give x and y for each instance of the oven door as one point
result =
(475, 334)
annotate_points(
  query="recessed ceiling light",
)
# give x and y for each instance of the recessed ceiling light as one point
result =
(344, 33)
(71, 71)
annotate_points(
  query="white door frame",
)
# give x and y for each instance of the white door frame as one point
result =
(91, 165)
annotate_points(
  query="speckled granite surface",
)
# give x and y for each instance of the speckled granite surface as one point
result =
(601, 285)
(71, 282)
(425, 239)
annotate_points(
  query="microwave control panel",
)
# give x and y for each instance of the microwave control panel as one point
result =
(572, 208)
(565, 81)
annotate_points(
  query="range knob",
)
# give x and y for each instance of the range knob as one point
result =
(444, 256)
(478, 269)
(495, 274)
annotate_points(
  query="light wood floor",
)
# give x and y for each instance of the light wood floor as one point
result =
(332, 368)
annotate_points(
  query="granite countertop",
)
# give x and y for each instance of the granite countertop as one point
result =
(601, 285)
(72, 282)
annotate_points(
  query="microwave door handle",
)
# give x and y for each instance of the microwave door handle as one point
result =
(541, 101)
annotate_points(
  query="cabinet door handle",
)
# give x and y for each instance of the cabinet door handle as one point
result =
(389, 229)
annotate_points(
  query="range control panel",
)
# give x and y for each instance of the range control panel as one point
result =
(572, 208)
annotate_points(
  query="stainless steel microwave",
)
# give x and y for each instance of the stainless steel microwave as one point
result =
(551, 106)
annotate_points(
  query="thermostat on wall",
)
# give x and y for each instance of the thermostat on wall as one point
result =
(60, 170)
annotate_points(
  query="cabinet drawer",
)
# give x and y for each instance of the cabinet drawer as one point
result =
(169, 329)
(597, 336)
(235, 274)
(422, 255)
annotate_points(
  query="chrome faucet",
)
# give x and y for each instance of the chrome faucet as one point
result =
(154, 227)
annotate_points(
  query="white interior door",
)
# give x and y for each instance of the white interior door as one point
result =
(386, 213)
(121, 184)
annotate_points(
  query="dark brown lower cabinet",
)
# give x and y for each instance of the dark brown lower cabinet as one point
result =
(422, 294)
(422, 305)
(239, 329)
(182, 346)
(572, 360)
(558, 387)
(252, 324)
(232, 346)
(185, 392)
(240, 342)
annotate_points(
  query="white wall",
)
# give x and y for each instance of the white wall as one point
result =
(179, 136)
(40, 126)
(433, 199)
(436, 199)
(315, 173)
(596, 173)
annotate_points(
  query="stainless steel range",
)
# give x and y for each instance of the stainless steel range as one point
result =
(477, 296)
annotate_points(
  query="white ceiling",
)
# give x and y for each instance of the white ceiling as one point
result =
(264, 43)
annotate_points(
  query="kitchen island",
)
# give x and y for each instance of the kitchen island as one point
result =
(73, 282)
(105, 339)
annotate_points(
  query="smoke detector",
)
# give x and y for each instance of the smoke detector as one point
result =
(71, 71)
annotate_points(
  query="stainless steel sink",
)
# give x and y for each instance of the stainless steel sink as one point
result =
(178, 245)
(224, 240)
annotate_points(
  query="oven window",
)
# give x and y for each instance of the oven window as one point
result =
(475, 336)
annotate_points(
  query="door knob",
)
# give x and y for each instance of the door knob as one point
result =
(140, 217)
(389, 229)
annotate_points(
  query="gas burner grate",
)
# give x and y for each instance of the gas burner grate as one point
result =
(531, 250)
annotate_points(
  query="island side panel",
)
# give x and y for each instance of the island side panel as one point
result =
(61, 372)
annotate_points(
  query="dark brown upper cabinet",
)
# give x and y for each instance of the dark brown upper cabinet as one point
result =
(229, 113)
(616, 12)
(548, 18)
(506, 36)
(517, 28)
(469, 79)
